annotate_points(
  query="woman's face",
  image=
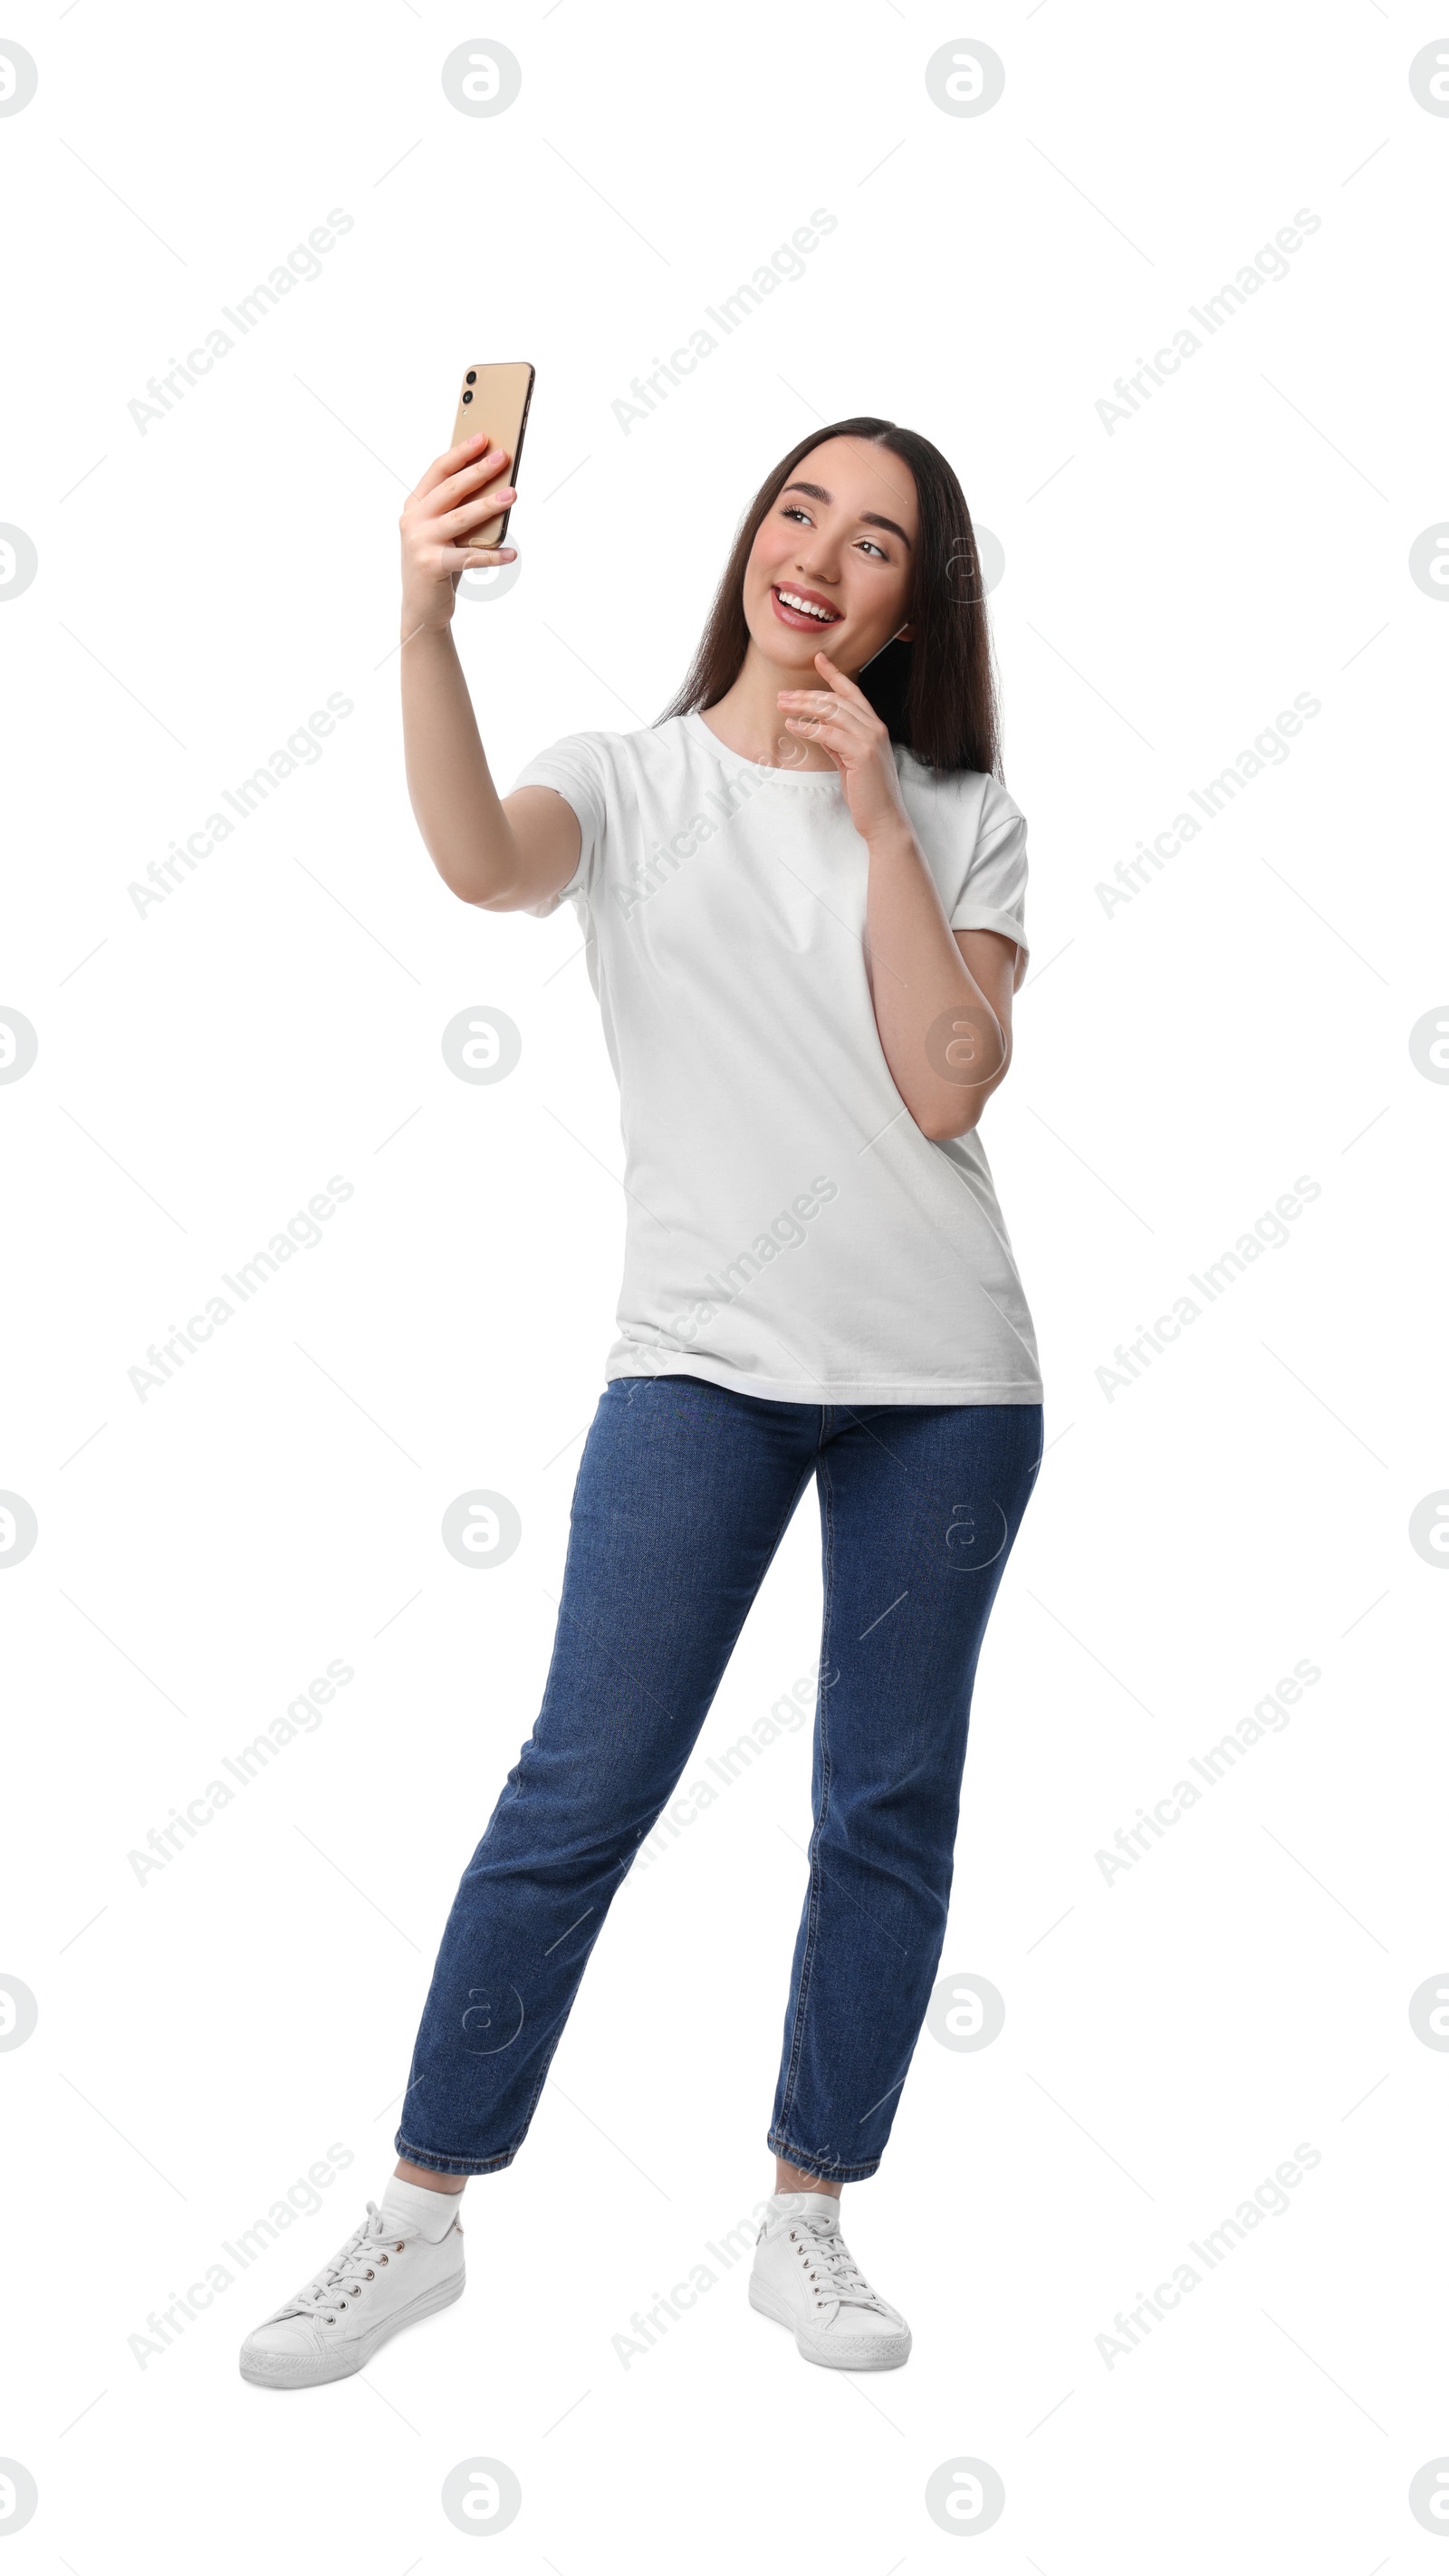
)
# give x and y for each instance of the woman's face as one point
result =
(840, 539)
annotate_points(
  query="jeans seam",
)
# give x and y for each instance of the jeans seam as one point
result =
(537, 2094)
(812, 1901)
(786, 1518)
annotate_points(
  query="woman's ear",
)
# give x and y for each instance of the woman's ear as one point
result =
(904, 635)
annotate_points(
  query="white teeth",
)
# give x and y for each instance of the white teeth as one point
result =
(807, 607)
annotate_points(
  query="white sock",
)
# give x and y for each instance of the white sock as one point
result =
(799, 2204)
(418, 2211)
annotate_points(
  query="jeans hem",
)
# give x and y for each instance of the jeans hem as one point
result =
(452, 2164)
(797, 2157)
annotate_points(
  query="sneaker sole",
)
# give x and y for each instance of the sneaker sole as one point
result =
(859, 2352)
(301, 2370)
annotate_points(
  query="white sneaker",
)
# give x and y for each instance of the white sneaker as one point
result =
(382, 2279)
(805, 2277)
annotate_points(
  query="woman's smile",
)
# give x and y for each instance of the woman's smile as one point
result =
(800, 608)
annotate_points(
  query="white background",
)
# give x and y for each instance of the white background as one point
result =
(204, 1068)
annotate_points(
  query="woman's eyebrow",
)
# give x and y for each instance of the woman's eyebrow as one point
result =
(868, 518)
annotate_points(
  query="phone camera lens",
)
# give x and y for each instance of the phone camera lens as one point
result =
(471, 377)
(467, 398)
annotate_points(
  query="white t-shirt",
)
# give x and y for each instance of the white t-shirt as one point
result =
(790, 1231)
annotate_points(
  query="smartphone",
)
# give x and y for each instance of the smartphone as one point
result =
(495, 399)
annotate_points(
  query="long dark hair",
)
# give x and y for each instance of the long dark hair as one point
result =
(936, 695)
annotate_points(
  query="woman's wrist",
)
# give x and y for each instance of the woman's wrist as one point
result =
(894, 842)
(413, 629)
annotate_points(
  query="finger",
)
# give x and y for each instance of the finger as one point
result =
(472, 514)
(838, 680)
(448, 463)
(470, 452)
(453, 559)
(834, 711)
(823, 729)
(470, 478)
(464, 557)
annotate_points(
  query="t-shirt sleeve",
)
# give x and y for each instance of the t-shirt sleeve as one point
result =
(993, 896)
(575, 769)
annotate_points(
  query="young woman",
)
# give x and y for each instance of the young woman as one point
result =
(802, 895)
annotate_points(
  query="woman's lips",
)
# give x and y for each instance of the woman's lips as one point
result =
(800, 619)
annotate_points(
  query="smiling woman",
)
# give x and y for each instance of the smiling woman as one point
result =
(940, 699)
(806, 1015)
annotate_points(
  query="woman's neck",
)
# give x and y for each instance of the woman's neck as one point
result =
(747, 718)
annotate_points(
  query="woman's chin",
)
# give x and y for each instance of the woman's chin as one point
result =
(790, 645)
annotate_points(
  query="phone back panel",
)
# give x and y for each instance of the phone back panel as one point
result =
(495, 399)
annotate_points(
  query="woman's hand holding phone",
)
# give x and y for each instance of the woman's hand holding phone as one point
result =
(507, 854)
(459, 492)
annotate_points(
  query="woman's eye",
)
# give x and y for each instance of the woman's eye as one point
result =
(875, 549)
(794, 511)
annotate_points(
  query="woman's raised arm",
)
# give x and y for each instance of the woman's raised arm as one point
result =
(506, 854)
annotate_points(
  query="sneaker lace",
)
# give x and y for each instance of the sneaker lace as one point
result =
(370, 2245)
(834, 2275)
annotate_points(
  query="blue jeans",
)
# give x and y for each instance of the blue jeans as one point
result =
(684, 1492)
